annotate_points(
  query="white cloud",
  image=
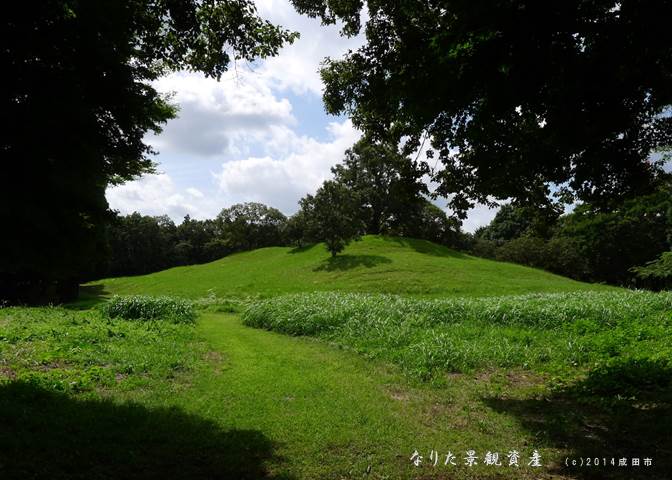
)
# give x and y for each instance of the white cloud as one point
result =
(194, 192)
(239, 139)
(219, 117)
(297, 66)
(479, 216)
(282, 181)
(279, 181)
(158, 195)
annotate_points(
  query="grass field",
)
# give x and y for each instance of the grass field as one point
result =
(349, 385)
(372, 265)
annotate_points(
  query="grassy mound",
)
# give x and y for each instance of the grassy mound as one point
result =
(373, 265)
(548, 332)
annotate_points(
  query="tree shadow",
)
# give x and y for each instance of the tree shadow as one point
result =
(348, 262)
(89, 296)
(303, 248)
(49, 435)
(621, 411)
(427, 247)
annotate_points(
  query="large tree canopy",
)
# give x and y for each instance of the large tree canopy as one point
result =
(518, 97)
(78, 101)
(389, 186)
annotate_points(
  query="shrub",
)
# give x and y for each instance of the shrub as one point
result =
(530, 251)
(484, 248)
(142, 307)
(565, 255)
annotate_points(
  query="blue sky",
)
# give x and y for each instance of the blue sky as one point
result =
(259, 134)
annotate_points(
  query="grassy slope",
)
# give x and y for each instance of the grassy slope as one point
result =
(374, 264)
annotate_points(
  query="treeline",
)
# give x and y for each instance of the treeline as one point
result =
(620, 244)
(143, 244)
(376, 190)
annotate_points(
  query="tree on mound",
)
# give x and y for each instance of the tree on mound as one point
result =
(77, 91)
(332, 217)
(389, 185)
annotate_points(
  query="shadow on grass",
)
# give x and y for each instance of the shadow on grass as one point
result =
(89, 296)
(303, 248)
(49, 435)
(348, 262)
(428, 248)
(622, 411)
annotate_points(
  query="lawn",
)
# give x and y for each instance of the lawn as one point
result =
(338, 385)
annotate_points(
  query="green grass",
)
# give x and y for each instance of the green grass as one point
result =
(217, 401)
(81, 351)
(559, 333)
(372, 265)
(569, 369)
(223, 400)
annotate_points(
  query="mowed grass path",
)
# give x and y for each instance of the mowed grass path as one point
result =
(373, 265)
(330, 413)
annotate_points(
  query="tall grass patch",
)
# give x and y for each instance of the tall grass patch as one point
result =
(537, 331)
(143, 307)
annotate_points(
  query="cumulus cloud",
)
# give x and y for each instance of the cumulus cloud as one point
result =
(239, 139)
(281, 182)
(219, 117)
(479, 216)
(277, 181)
(194, 192)
(158, 195)
(297, 66)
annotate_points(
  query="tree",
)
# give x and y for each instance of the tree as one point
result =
(525, 250)
(140, 244)
(194, 242)
(614, 242)
(514, 96)
(512, 221)
(332, 213)
(588, 243)
(246, 226)
(78, 94)
(656, 274)
(434, 225)
(388, 184)
(299, 230)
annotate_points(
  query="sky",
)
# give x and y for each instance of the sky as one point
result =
(260, 134)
